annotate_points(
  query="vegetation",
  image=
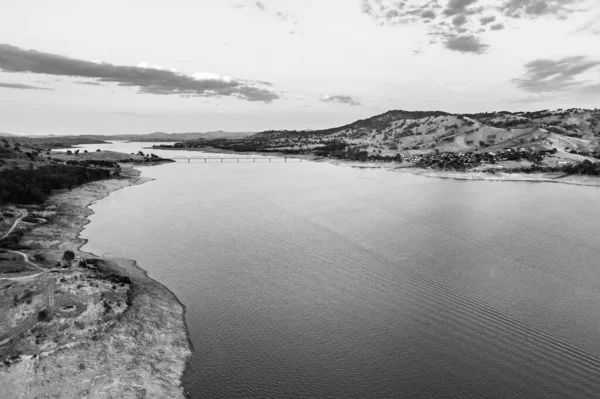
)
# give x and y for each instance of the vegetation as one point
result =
(13, 240)
(95, 162)
(44, 315)
(584, 168)
(33, 186)
(68, 256)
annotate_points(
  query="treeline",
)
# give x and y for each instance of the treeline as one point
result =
(334, 149)
(33, 186)
(243, 145)
(586, 168)
(99, 162)
(341, 150)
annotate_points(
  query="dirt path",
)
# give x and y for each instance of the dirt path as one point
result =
(25, 277)
(31, 320)
(15, 224)
(26, 259)
(24, 214)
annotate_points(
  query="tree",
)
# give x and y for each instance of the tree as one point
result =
(44, 315)
(68, 256)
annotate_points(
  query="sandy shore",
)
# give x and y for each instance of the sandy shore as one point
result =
(472, 175)
(142, 356)
(499, 176)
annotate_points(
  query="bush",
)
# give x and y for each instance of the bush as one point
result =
(44, 315)
(68, 256)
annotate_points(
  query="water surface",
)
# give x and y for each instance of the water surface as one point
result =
(314, 280)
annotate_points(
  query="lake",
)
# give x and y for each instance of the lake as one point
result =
(315, 280)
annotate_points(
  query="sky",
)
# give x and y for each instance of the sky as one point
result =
(141, 66)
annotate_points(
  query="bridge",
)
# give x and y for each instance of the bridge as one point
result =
(236, 159)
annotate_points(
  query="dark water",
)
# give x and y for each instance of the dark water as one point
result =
(311, 280)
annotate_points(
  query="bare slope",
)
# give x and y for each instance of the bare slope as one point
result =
(415, 132)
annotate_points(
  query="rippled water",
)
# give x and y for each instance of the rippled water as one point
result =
(314, 280)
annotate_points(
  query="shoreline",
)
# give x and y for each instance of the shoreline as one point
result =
(432, 173)
(588, 181)
(143, 354)
(128, 264)
(139, 181)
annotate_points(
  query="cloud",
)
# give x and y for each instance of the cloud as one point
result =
(147, 80)
(466, 44)
(458, 6)
(287, 17)
(487, 20)
(458, 24)
(591, 27)
(459, 20)
(536, 8)
(342, 99)
(280, 15)
(428, 14)
(545, 76)
(21, 86)
(449, 24)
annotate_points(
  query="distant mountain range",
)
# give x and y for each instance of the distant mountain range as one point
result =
(157, 136)
(411, 132)
(162, 136)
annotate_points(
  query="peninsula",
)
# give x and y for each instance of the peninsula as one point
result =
(73, 324)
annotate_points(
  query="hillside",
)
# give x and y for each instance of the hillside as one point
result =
(409, 133)
(28, 174)
(49, 142)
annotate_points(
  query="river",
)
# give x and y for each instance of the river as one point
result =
(306, 279)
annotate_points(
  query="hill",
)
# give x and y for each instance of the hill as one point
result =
(409, 133)
(50, 142)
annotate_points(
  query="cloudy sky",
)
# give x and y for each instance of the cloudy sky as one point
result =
(139, 66)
